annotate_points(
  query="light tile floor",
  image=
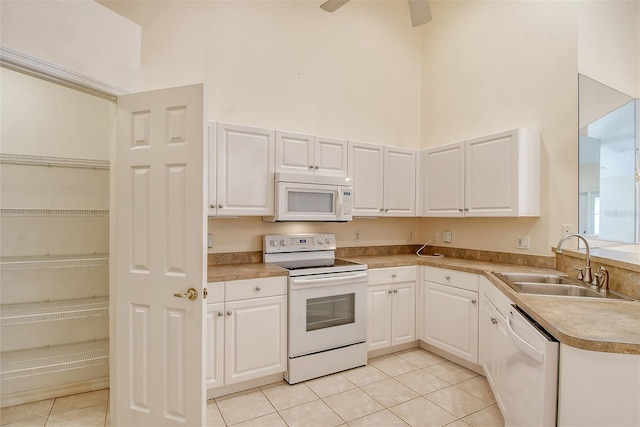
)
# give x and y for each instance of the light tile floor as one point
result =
(413, 387)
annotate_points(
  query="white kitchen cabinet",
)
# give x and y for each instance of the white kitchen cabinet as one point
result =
(241, 170)
(450, 312)
(493, 337)
(309, 154)
(391, 307)
(598, 388)
(384, 180)
(247, 333)
(490, 176)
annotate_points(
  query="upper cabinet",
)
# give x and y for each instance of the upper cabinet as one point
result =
(384, 180)
(241, 170)
(302, 153)
(490, 176)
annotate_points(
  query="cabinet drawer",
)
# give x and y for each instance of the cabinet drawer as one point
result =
(215, 292)
(255, 288)
(458, 279)
(379, 276)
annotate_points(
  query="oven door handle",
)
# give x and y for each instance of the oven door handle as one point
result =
(328, 280)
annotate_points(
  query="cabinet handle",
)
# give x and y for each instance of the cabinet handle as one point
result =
(473, 301)
(212, 206)
(494, 320)
(258, 288)
(393, 275)
(220, 313)
(220, 206)
(317, 167)
(466, 209)
(460, 210)
(447, 277)
(390, 291)
(229, 313)
(395, 291)
(310, 166)
(386, 210)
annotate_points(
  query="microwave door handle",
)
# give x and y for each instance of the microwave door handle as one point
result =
(339, 202)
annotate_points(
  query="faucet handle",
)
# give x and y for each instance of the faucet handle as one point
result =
(580, 273)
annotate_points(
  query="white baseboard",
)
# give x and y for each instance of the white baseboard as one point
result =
(53, 392)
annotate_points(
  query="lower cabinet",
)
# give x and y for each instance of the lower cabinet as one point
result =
(246, 330)
(450, 312)
(391, 308)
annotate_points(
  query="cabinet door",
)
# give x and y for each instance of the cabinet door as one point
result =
(212, 206)
(215, 345)
(245, 170)
(294, 152)
(488, 341)
(255, 338)
(451, 320)
(492, 175)
(399, 182)
(330, 156)
(443, 181)
(366, 167)
(379, 316)
(403, 309)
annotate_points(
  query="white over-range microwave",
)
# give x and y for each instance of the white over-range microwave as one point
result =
(302, 197)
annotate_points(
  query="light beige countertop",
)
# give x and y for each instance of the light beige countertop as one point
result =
(586, 323)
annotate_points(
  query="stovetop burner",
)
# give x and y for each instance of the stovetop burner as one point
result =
(306, 254)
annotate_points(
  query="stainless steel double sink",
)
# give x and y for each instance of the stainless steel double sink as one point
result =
(551, 285)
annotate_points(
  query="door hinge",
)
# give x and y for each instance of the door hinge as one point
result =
(205, 293)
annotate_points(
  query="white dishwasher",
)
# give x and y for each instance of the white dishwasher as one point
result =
(530, 368)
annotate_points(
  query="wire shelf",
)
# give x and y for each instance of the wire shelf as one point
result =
(53, 212)
(30, 262)
(48, 161)
(50, 359)
(44, 311)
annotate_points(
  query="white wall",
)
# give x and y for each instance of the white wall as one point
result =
(489, 66)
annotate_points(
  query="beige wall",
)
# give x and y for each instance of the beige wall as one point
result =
(364, 73)
(289, 65)
(494, 65)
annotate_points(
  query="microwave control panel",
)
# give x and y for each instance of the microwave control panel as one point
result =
(275, 243)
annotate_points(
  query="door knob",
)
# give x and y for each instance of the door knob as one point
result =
(191, 294)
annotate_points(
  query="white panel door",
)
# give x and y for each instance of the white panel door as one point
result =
(378, 316)
(403, 309)
(158, 250)
(245, 170)
(399, 181)
(255, 340)
(492, 175)
(366, 168)
(330, 156)
(443, 181)
(451, 320)
(294, 152)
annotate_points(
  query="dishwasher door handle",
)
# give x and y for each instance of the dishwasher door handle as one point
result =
(523, 345)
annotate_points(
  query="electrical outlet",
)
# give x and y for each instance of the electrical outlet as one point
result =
(356, 236)
(209, 240)
(566, 229)
(446, 236)
(522, 242)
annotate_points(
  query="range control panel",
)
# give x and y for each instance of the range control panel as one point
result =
(277, 243)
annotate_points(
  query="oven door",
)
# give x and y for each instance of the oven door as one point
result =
(326, 312)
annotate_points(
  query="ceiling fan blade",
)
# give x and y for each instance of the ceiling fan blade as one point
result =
(420, 12)
(332, 5)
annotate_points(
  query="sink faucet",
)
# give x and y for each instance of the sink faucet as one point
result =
(586, 274)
